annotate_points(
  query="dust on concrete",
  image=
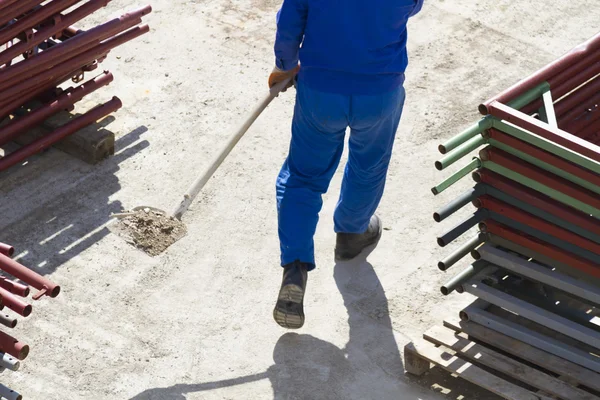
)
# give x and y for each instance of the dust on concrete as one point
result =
(150, 230)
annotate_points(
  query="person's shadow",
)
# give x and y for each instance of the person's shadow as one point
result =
(306, 367)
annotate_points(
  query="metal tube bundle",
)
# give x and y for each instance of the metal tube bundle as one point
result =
(46, 51)
(536, 196)
(12, 350)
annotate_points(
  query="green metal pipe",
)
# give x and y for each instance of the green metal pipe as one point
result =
(473, 165)
(555, 194)
(461, 151)
(473, 130)
(462, 251)
(463, 276)
(547, 145)
(529, 96)
(548, 167)
(492, 191)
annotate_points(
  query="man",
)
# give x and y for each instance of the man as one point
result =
(348, 60)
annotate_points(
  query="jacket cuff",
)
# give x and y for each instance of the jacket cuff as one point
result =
(286, 65)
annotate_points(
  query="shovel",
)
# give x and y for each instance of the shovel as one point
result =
(199, 183)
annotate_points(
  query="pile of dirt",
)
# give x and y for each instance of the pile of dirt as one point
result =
(150, 230)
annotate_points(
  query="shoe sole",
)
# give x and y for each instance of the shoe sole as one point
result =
(289, 310)
(366, 249)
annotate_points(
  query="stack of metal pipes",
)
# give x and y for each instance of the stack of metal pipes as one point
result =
(12, 350)
(40, 50)
(536, 193)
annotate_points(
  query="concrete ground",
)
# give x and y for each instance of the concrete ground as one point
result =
(195, 322)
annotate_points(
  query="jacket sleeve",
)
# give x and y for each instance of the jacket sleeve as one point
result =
(291, 21)
(418, 6)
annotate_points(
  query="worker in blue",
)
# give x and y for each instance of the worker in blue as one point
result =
(347, 60)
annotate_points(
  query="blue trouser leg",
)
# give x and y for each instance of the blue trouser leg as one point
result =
(318, 130)
(374, 121)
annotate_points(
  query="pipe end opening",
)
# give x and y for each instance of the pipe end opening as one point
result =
(441, 242)
(437, 217)
(445, 290)
(463, 316)
(483, 109)
(442, 149)
(442, 266)
(439, 166)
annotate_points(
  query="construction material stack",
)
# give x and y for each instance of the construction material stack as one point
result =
(40, 50)
(535, 238)
(12, 293)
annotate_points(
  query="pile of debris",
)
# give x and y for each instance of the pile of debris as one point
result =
(13, 351)
(43, 50)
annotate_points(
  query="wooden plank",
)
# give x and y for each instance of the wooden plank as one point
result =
(471, 373)
(443, 336)
(560, 366)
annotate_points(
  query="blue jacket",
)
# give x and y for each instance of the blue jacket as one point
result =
(345, 46)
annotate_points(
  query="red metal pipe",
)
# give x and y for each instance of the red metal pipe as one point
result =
(567, 60)
(572, 81)
(71, 47)
(23, 7)
(537, 174)
(540, 128)
(577, 103)
(51, 30)
(15, 304)
(5, 3)
(17, 126)
(590, 117)
(77, 61)
(538, 200)
(6, 249)
(539, 246)
(17, 101)
(540, 154)
(28, 276)
(31, 20)
(12, 346)
(68, 129)
(591, 132)
(534, 222)
(14, 287)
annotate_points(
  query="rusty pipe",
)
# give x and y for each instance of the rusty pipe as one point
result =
(20, 9)
(579, 103)
(77, 61)
(570, 58)
(7, 249)
(14, 287)
(6, 3)
(32, 19)
(68, 129)
(588, 118)
(71, 47)
(65, 100)
(15, 304)
(28, 276)
(51, 30)
(12, 346)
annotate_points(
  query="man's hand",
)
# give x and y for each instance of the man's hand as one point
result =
(278, 76)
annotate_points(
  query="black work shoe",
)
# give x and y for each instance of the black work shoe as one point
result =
(289, 310)
(349, 245)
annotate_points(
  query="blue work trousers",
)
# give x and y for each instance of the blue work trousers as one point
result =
(318, 134)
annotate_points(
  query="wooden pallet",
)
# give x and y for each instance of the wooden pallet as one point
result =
(505, 366)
